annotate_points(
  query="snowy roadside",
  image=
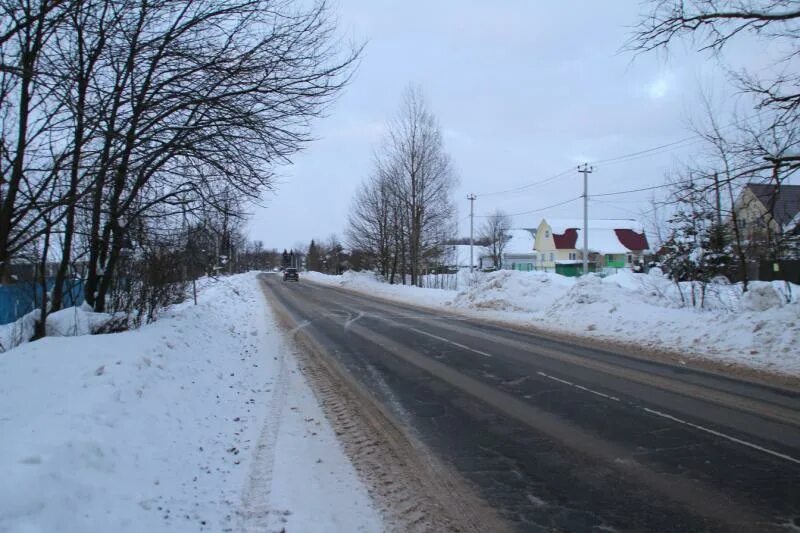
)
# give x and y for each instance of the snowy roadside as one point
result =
(198, 422)
(760, 329)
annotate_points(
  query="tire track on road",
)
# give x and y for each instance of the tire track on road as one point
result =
(413, 491)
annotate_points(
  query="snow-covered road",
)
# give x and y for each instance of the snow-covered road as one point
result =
(201, 421)
(759, 329)
(562, 435)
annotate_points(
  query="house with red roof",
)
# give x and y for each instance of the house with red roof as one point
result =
(612, 243)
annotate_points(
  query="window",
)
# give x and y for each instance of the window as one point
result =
(552, 256)
(630, 259)
(547, 233)
(573, 256)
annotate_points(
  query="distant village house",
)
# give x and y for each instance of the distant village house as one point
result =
(556, 245)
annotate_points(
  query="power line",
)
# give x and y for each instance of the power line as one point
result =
(641, 154)
(623, 158)
(646, 151)
(534, 210)
(616, 205)
(635, 190)
(655, 150)
(529, 185)
(672, 184)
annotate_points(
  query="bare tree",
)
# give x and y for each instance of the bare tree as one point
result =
(761, 148)
(654, 219)
(494, 230)
(371, 222)
(138, 131)
(205, 106)
(403, 215)
(774, 91)
(422, 180)
(713, 24)
(29, 159)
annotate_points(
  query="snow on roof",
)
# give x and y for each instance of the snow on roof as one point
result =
(521, 242)
(560, 225)
(604, 241)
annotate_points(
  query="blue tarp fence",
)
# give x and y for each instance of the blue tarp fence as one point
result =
(19, 299)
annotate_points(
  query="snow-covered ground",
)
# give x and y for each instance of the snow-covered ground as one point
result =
(759, 329)
(198, 422)
(78, 320)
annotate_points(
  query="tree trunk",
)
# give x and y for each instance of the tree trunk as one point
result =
(41, 325)
(69, 225)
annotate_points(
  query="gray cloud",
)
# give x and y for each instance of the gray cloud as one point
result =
(523, 90)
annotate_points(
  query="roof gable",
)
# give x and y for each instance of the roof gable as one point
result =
(783, 201)
(566, 240)
(631, 240)
(607, 241)
(560, 225)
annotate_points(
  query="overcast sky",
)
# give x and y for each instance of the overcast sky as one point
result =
(523, 91)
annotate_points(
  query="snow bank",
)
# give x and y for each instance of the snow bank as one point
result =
(73, 321)
(368, 283)
(198, 422)
(19, 332)
(69, 322)
(761, 296)
(759, 328)
(508, 290)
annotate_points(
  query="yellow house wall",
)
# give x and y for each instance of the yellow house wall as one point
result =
(544, 238)
(545, 243)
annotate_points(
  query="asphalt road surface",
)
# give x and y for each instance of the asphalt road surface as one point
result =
(558, 436)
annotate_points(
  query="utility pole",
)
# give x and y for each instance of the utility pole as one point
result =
(719, 200)
(586, 170)
(471, 197)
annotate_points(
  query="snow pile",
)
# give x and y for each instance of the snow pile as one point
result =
(586, 290)
(509, 290)
(69, 322)
(759, 328)
(79, 320)
(369, 283)
(761, 296)
(19, 332)
(198, 422)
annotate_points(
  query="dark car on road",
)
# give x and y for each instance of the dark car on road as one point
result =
(290, 274)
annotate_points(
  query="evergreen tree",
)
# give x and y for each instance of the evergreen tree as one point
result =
(313, 261)
(697, 249)
(285, 259)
